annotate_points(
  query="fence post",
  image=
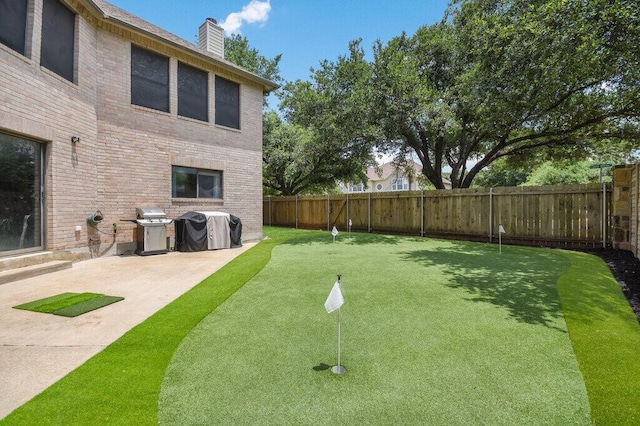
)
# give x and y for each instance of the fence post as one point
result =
(347, 224)
(328, 213)
(490, 215)
(369, 214)
(296, 211)
(422, 213)
(604, 214)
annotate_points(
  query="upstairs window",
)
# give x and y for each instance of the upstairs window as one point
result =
(58, 38)
(193, 92)
(13, 24)
(400, 184)
(188, 182)
(358, 187)
(227, 103)
(149, 79)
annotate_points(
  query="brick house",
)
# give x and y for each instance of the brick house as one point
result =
(103, 112)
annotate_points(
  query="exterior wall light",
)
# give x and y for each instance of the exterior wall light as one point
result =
(75, 139)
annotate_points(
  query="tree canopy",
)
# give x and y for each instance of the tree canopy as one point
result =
(494, 79)
(517, 82)
(500, 78)
(238, 51)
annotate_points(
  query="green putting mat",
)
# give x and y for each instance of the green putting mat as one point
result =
(69, 304)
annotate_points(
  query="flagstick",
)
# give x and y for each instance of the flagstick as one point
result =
(338, 369)
(500, 241)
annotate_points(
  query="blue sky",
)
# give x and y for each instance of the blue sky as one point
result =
(304, 31)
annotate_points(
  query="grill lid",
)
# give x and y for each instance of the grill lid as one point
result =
(150, 213)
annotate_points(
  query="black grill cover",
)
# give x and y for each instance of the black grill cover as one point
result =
(191, 232)
(235, 227)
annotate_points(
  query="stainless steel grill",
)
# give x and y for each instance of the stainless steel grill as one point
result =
(152, 230)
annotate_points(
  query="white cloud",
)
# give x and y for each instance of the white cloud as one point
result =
(255, 11)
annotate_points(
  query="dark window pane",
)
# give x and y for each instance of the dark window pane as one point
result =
(184, 182)
(227, 103)
(193, 93)
(13, 24)
(195, 183)
(20, 183)
(58, 37)
(149, 79)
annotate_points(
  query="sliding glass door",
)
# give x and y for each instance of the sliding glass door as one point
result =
(21, 185)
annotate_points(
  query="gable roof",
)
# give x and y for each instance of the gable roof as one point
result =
(387, 169)
(113, 14)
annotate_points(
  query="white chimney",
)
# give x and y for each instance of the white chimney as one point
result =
(211, 37)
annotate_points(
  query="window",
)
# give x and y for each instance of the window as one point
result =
(379, 187)
(400, 184)
(359, 187)
(193, 92)
(13, 24)
(58, 38)
(149, 79)
(227, 103)
(187, 182)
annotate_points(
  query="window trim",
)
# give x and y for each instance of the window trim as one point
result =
(25, 27)
(51, 66)
(198, 171)
(181, 95)
(167, 84)
(218, 119)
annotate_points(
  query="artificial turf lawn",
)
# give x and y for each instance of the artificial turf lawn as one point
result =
(433, 332)
(121, 385)
(606, 339)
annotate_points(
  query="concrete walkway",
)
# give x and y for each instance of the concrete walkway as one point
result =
(36, 349)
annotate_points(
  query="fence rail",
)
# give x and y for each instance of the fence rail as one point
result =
(570, 216)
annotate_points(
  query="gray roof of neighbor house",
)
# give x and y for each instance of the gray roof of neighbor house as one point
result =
(117, 16)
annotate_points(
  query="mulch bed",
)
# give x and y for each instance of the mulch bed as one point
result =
(626, 270)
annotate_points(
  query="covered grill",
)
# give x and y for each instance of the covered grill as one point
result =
(152, 230)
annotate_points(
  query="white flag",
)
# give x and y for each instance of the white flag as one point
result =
(335, 299)
(350, 223)
(334, 231)
(501, 229)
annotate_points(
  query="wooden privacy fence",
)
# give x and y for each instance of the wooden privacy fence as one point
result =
(571, 216)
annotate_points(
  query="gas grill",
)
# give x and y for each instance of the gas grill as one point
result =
(152, 230)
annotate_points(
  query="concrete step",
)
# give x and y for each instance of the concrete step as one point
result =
(21, 273)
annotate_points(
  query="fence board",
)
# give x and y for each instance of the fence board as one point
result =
(557, 216)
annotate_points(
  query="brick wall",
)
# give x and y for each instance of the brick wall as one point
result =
(125, 153)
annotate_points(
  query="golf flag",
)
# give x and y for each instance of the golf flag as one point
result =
(335, 299)
(334, 231)
(501, 230)
(350, 223)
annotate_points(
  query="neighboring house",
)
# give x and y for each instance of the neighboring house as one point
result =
(390, 177)
(103, 112)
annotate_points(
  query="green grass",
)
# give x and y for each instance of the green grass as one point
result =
(434, 332)
(606, 339)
